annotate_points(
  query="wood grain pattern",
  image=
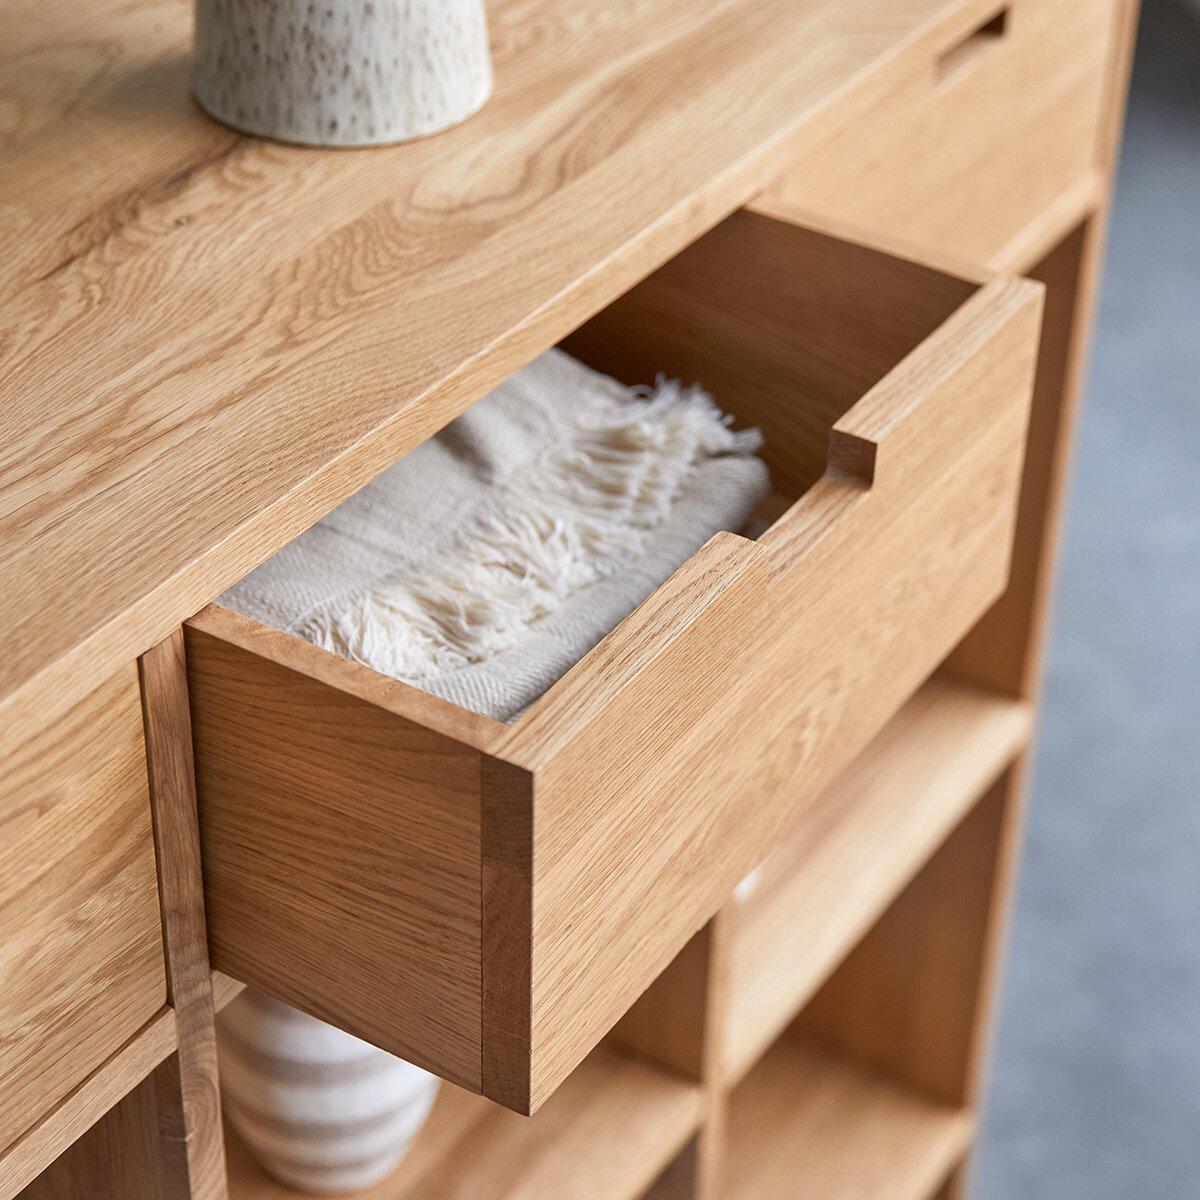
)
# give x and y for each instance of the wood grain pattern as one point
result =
(224, 989)
(854, 850)
(1007, 136)
(255, 331)
(677, 1022)
(125, 1155)
(342, 813)
(235, 368)
(1071, 273)
(853, 576)
(188, 1096)
(81, 958)
(1006, 649)
(120, 1074)
(341, 848)
(907, 999)
(806, 1125)
(608, 1132)
(789, 349)
(609, 807)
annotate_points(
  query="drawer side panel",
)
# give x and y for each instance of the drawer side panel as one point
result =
(341, 855)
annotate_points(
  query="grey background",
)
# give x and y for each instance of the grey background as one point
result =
(1095, 1090)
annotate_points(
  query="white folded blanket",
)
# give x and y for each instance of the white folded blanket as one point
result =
(491, 558)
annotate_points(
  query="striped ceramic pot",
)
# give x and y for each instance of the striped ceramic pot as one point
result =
(322, 1111)
(341, 72)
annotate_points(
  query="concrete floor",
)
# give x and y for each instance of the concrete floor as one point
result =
(1095, 1092)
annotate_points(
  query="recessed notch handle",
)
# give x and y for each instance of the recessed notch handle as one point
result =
(965, 53)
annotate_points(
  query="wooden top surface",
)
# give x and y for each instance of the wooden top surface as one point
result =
(207, 341)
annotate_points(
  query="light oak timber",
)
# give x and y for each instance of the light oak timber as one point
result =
(806, 1125)
(187, 1091)
(1005, 650)
(910, 257)
(224, 989)
(611, 748)
(121, 1157)
(906, 999)
(351, 887)
(265, 376)
(1072, 275)
(123, 1071)
(970, 161)
(853, 851)
(694, 348)
(677, 1022)
(609, 1130)
(81, 958)
(1078, 200)
(503, 918)
(1075, 204)
(121, 455)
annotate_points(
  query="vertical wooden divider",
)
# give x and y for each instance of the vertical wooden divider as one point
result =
(675, 1023)
(187, 1091)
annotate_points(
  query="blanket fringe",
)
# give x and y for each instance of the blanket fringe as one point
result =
(566, 520)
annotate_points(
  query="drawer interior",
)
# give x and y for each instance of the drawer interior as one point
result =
(787, 327)
(487, 900)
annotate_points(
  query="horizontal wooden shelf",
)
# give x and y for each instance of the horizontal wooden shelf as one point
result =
(224, 989)
(606, 1134)
(36, 1149)
(807, 1125)
(854, 850)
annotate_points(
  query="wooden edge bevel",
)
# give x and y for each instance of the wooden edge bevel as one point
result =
(191, 1112)
(506, 929)
(901, 411)
(617, 663)
(352, 678)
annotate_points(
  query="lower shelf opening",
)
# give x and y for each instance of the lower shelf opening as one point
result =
(606, 1134)
(807, 1124)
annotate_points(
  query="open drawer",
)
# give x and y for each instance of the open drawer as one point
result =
(487, 900)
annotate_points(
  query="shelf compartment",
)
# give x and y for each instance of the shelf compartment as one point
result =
(487, 900)
(806, 1124)
(607, 1133)
(101, 1093)
(855, 849)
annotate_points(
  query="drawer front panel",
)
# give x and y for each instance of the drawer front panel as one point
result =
(81, 956)
(999, 122)
(872, 577)
(491, 898)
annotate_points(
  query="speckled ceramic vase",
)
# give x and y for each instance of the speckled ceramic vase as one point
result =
(341, 72)
(325, 1113)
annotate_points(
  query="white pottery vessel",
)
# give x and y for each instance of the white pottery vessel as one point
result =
(341, 72)
(324, 1112)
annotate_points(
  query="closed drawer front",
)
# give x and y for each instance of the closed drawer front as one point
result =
(999, 120)
(81, 956)
(487, 900)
